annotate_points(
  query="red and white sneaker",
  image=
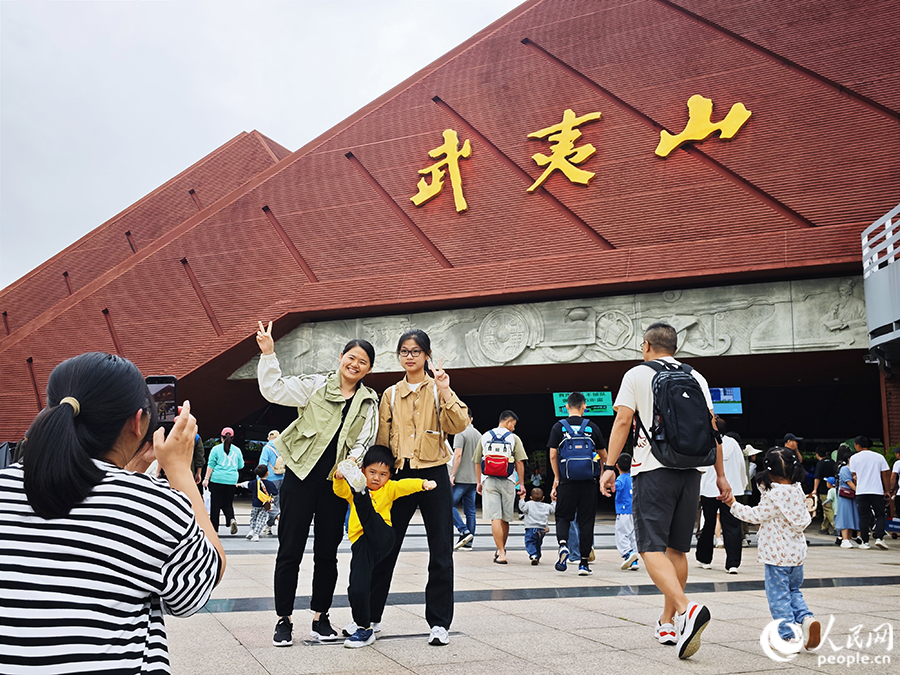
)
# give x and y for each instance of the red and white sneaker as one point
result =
(665, 633)
(688, 626)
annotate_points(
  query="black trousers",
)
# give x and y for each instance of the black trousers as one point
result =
(221, 498)
(435, 506)
(374, 545)
(302, 502)
(866, 505)
(732, 533)
(580, 496)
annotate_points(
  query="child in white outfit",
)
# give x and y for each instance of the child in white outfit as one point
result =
(782, 517)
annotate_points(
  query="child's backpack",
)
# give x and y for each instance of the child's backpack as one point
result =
(682, 433)
(263, 495)
(497, 459)
(577, 460)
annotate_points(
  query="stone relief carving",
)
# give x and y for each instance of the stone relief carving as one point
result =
(815, 314)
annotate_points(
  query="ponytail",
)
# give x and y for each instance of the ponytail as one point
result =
(782, 463)
(90, 399)
(226, 444)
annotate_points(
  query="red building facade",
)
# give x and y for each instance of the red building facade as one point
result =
(177, 281)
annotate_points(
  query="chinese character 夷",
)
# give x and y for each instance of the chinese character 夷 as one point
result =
(452, 154)
(699, 125)
(563, 153)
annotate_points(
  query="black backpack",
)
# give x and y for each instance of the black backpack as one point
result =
(682, 433)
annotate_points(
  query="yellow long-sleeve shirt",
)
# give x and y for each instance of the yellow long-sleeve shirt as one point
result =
(382, 499)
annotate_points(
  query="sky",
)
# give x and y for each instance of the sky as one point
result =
(103, 102)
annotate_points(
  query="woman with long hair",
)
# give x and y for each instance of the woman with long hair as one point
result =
(846, 520)
(337, 418)
(414, 417)
(225, 461)
(93, 549)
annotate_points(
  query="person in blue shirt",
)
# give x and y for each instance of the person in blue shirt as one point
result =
(625, 540)
(269, 457)
(225, 460)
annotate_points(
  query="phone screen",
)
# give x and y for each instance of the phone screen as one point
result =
(162, 389)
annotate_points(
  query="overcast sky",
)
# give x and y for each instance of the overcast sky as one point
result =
(102, 102)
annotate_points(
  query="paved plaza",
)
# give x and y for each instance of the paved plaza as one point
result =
(519, 618)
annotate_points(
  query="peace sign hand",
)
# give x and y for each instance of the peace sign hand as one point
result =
(264, 339)
(441, 378)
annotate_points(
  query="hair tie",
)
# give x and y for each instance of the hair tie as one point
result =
(72, 402)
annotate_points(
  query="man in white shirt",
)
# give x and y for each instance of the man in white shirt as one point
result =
(732, 530)
(872, 477)
(664, 499)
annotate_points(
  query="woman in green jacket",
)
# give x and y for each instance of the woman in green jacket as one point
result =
(337, 418)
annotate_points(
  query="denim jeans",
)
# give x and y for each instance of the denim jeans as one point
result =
(784, 596)
(533, 538)
(465, 493)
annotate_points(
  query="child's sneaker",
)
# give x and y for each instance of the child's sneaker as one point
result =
(361, 638)
(629, 559)
(535, 560)
(283, 633)
(562, 563)
(352, 474)
(634, 566)
(689, 626)
(812, 632)
(584, 570)
(665, 633)
(254, 537)
(322, 630)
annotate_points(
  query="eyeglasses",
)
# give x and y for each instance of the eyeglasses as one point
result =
(415, 353)
(644, 342)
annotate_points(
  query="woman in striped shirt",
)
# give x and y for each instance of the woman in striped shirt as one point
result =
(94, 552)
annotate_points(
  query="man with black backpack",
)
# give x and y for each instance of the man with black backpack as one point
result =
(577, 453)
(671, 408)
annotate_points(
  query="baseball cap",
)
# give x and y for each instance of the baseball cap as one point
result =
(791, 437)
(227, 431)
(830, 480)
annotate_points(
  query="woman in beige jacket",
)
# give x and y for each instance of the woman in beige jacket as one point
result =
(414, 418)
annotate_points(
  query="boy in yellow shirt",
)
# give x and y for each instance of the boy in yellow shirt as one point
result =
(370, 532)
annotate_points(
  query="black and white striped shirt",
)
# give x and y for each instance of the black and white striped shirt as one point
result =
(86, 593)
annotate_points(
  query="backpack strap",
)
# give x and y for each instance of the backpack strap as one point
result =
(567, 428)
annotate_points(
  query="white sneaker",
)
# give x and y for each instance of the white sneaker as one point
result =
(846, 543)
(732, 570)
(812, 632)
(351, 628)
(720, 543)
(354, 476)
(254, 537)
(249, 535)
(267, 531)
(629, 560)
(665, 633)
(880, 544)
(689, 626)
(233, 526)
(865, 546)
(439, 636)
(704, 566)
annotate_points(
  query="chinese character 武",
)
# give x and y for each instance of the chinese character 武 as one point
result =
(563, 153)
(452, 154)
(699, 125)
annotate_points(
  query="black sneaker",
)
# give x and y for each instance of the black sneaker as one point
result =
(283, 633)
(322, 630)
(464, 539)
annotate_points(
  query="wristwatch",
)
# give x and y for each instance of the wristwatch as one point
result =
(609, 467)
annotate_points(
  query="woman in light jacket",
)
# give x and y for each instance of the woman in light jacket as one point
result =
(414, 418)
(337, 418)
(846, 520)
(225, 461)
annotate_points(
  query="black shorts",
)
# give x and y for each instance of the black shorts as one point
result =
(664, 502)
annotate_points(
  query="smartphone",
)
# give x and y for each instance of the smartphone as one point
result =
(163, 389)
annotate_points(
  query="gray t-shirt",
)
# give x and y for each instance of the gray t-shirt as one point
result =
(468, 440)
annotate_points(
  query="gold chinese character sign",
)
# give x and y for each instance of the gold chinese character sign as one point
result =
(700, 126)
(452, 154)
(563, 153)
